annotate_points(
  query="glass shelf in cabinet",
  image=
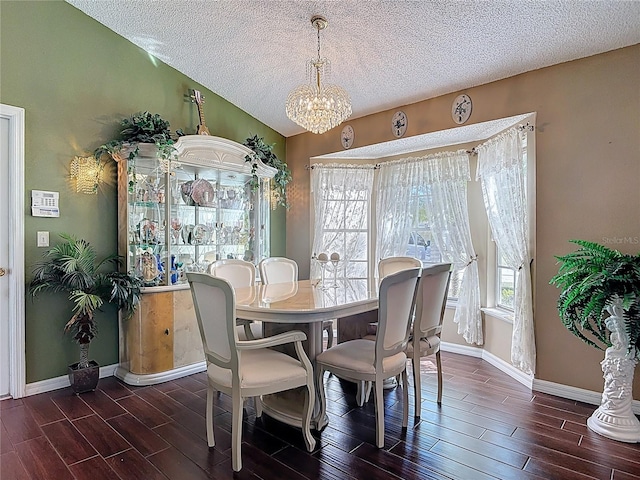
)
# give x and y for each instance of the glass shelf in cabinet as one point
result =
(145, 204)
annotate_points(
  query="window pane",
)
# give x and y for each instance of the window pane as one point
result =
(357, 243)
(333, 241)
(357, 269)
(334, 217)
(506, 284)
(355, 215)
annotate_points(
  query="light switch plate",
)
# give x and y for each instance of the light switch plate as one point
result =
(43, 239)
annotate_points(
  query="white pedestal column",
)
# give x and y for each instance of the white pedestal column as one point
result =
(614, 417)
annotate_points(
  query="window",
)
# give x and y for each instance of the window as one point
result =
(347, 230)
(341, 202)
(421, 244)
(505, 277)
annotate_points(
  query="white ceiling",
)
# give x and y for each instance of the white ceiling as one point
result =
(384, 53)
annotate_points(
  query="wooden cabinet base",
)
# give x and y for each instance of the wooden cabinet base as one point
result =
(161, 341)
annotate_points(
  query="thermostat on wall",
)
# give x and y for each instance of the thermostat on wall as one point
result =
(44, 204)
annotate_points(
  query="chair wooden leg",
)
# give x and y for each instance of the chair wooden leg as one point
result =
(405, 399)
(379, 413)
(309, 402)
(211, 441)
(439, 365)
(329, 328)
(320, 418)
(361, 393)
(257, 403)
(236, 432)
(417, 387)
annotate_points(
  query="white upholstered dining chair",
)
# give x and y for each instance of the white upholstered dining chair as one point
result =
(281, 270)
(389, 265)
(431, 300)
(238, 273)
(245, 368)
(364, 360)
(386, 266)
(278, 270)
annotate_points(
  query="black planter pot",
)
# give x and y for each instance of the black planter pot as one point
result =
(84, 379)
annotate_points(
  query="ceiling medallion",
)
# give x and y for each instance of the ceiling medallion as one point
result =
(318, 106)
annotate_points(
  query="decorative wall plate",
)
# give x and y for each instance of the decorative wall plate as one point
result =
(399, 123)
(202, 192)
(461, 109)
(347, 136)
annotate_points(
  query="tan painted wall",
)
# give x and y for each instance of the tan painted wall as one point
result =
(588, 179)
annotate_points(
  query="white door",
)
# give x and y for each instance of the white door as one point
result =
(4, 256)
(12, 362)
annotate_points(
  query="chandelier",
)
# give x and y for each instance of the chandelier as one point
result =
(318, 106)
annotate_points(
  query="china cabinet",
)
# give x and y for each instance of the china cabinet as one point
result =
(179, 216)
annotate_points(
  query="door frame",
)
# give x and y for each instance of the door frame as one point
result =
(17, 364)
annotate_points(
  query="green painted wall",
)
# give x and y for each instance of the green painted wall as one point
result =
(76, 80)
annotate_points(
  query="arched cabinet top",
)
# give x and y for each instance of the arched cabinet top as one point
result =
(213, 152)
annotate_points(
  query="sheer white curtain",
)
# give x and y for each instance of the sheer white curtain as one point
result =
(503, 173)
(341, 195)
(396, 203)
(446, 176)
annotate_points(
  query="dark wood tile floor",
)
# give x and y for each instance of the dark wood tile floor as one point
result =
(489, 427)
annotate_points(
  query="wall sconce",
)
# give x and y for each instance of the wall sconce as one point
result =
(87, 172)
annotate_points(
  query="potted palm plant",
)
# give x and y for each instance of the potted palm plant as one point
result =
(600, 304)
(72, 267)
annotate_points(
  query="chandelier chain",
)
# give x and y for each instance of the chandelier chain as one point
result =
(318, 26)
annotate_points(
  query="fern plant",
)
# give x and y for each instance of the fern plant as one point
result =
(264, 152)
(590, 278)
(72, 267)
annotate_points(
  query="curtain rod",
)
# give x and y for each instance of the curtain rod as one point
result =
(347, 166)
(526, 126)
(473, 151)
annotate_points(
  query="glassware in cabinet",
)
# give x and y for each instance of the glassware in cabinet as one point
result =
(201, 207)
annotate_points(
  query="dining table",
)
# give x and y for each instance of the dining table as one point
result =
(304, 305)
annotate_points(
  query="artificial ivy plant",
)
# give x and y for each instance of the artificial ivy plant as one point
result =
(264, 152)
(590, 278)
(141, 127)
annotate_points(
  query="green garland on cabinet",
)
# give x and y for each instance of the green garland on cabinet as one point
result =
(264, 152)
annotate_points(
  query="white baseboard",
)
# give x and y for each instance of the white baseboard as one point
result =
(544, 386)
(62, 382)
(500, 364)
(575, 393)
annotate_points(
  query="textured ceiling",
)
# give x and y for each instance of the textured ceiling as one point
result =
(384, 53)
